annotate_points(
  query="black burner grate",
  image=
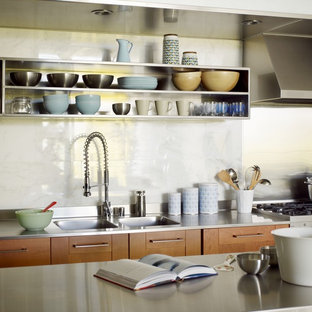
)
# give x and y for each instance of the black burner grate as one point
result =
(291, 209)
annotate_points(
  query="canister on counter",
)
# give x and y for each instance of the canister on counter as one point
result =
(208, 198)
(174, 204)
(190, 200)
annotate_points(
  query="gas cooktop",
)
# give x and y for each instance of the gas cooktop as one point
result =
(299, 213)
(289, 208)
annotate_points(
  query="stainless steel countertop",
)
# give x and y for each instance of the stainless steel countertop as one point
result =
(72, 287)
(9, 228)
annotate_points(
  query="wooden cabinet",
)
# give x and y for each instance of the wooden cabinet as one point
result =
(173, 243)
(238, 239)
(75, 249)
(24, 252)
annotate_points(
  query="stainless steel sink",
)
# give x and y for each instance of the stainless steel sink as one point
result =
(146, 221)
(85, 224)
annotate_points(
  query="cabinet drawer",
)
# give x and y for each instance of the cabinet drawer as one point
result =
(24, 252)
(170, 243)
(89, 248)
(248, 238)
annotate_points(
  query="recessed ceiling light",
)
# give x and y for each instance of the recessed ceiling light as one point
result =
(251, 22)
(102, 12)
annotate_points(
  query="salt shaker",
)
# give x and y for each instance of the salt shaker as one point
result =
(140, 204)
(171, 49)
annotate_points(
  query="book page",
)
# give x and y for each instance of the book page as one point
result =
(133, 274)
(183, 268)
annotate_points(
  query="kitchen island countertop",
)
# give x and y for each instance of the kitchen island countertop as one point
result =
(72, 287)
(10, 229)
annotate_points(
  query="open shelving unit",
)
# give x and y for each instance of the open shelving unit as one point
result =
(165, 88)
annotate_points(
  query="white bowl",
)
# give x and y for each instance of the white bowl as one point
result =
(294, 254)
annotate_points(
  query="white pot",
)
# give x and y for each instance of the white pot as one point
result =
(294, 254)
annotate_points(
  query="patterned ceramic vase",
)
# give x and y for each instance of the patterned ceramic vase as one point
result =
(171, 49)
(189, 58)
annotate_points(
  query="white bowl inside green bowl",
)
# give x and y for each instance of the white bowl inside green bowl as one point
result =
(34, 219)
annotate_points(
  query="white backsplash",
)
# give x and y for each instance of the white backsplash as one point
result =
(42, 159)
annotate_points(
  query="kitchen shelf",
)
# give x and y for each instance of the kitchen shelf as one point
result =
(165, 89)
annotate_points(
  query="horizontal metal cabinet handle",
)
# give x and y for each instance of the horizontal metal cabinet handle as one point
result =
(248, 235)
(91, 245)
(166, 240)
(14, 250)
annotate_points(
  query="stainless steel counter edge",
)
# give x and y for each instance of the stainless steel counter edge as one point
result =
(10, 229)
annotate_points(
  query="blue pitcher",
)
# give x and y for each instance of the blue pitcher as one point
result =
(125, 47)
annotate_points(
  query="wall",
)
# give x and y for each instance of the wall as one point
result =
(278, 139)
(41, 159)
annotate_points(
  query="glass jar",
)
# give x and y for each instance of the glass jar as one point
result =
(21, 105)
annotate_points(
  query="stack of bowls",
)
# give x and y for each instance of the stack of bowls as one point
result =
(145, 83)
(97, 80)
(219, 80)
(56, 103)
(25, 78)
(186, 81)
(63, 80)
(88, 104)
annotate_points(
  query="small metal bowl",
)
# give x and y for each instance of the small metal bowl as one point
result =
(25, 78)
(253, 263)
(63, 80)
(97, 80)
(270, 251)
(121, 108)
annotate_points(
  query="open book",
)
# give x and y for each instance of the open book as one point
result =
(151, 270)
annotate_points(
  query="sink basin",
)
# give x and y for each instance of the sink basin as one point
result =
(86, 224)
(146, 221)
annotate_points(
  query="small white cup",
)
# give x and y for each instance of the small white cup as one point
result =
(143, 106)
(174, 204)
(183, 107)
(190, 200)
(244, 199)
(163, 107)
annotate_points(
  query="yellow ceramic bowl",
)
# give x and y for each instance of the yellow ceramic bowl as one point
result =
(186, 81)
(219, 80)
(34, 219)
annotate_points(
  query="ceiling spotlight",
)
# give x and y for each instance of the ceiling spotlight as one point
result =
(251, 22)
(102, 12)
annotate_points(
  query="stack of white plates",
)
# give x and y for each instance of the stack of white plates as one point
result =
(145, 83)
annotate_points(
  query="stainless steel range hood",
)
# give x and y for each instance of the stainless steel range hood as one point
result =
(281, 66)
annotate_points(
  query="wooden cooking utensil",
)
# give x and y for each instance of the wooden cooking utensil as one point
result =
(255, 178)
(224, 176)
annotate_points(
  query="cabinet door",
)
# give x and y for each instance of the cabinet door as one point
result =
(210, 241)
(75, 249)
(241, 239)
(24, 252)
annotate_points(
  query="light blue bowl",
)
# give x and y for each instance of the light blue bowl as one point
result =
(88, 104)
(56, 103)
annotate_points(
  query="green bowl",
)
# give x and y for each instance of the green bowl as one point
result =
(34, 219)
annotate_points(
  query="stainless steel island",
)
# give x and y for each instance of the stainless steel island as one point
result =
(72, 287)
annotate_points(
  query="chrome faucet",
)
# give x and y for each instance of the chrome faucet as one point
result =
(104, 208)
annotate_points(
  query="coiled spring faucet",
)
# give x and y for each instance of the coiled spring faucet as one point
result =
(103, 207)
